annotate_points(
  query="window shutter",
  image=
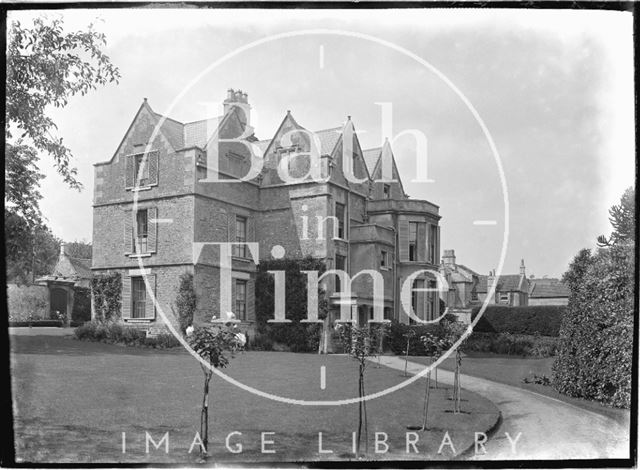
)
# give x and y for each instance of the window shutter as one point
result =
(251, 231)
(150, 305)
(422, 242)
(128, 232)
(126, 297)
(403, 239)
(152, 161)
(152, 227)
(437, 260)
(129, 170)
(231, 227)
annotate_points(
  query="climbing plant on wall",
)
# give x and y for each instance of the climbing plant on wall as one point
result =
(107, 296)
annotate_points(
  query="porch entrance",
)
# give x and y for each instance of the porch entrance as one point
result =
(58, 302)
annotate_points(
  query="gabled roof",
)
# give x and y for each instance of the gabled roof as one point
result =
(371, 157)
(547, 288)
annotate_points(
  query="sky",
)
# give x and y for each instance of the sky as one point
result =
(553, 88)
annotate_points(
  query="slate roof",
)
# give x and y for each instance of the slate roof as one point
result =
(82, 267)
(371, 157)
(198, 133)
(172, 130)
(506, 283)
(547, 288)
(328, 139)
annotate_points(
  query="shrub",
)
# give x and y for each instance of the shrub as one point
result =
(506, 343)
(595, 356)
(116, 333)
(295, 336)
(543, 319)
(397, 342)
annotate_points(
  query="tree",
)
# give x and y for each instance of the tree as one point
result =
(360, 342)
(212, 344)
(46, 67)
(433, 346)
(594, 360)
(30, 251)
(622, 218)
(409, 335)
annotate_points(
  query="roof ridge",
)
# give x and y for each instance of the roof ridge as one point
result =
(167, 118)
(205, 119)
(328, 129)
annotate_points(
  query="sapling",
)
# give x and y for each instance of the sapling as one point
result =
(212, 343)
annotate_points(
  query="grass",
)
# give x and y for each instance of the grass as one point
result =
(511, 370)
(73, 400)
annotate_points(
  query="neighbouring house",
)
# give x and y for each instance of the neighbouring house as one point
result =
(462, 282)
(70, 280)
(168, 165)
(467, 288)
(511, 289)
(548, 291)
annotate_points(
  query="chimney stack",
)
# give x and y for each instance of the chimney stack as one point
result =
(237, 99)
(522, 268)
(449, 258)
(62, 248)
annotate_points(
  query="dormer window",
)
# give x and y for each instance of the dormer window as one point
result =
(386, 191)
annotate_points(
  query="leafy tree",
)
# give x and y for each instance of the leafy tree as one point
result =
(594, 360)
(46, 66)
(622, 218)
(30, 251)
(78, 249)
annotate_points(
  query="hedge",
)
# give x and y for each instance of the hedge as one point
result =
(27, 302)
(544, 320)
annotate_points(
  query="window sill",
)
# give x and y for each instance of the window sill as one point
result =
(142, 188)
(241, 258)
(143, 255)
(138, 320)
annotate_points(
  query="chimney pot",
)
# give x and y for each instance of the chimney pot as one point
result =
(230, 94)
(62, 248)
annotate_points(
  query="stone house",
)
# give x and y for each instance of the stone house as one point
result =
(467, 288)
(167, 166)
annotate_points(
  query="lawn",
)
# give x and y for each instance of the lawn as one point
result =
(73, 400)
(511, 370)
